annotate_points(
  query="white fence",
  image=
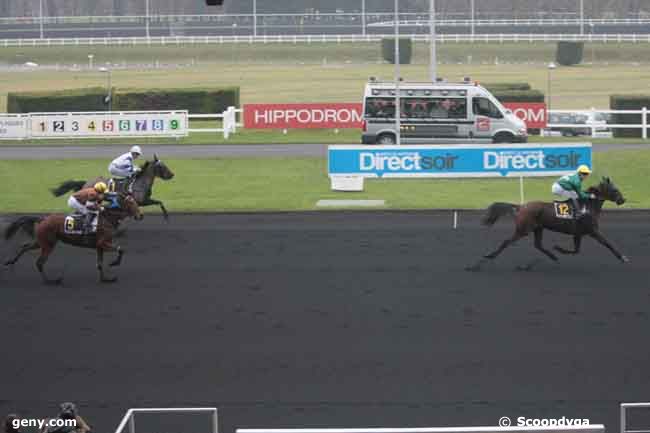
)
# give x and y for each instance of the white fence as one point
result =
(596, 126)
(129, 417)
(314, 39)
(228, 118)
(44, 125)
(624, 407)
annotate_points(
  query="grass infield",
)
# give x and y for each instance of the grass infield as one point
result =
(280, 184)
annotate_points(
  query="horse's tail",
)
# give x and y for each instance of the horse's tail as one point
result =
(68, 185)
(497, 210)
(24, 222)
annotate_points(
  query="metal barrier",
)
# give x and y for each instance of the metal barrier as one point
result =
(129, 417)
(624, 407)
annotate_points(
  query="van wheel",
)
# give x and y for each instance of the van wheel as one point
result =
(503, 137)
(386, 139)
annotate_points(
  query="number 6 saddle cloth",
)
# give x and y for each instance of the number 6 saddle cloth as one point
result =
(75, 224)
(563, 209)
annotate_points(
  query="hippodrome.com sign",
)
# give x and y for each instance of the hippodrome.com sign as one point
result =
(350, 115)
(458, 161)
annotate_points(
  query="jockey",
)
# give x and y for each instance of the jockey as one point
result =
(124, 166)
(88, 202)
(570, 186)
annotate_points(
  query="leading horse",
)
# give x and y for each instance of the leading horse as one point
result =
(47, 231)
(538, 216)
(141, 188)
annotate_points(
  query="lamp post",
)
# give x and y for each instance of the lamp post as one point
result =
(551, 66)
(109, 96)
(473, 16)
(591, 31)
(582, 17)
(254, 17)
(363, 17)
(90, 61)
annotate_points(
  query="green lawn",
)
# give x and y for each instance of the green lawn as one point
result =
(279, 184)
(284, 73)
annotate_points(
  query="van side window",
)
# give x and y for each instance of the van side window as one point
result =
(435, 108)
(380, 107)
(485, 107)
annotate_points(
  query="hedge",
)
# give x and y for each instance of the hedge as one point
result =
(628, 102)
(405, 50)
(94, 99)
(495, 87)
(569, 53)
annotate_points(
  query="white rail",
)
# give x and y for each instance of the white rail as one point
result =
(229, 121)
(594, 126)
(624, 407)
(317, 39)
(129, 417)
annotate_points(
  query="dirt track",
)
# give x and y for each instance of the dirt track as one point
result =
(331, 319)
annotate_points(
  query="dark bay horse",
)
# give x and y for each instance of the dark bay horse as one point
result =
(47, 231)
(142, 186)
(538, 216)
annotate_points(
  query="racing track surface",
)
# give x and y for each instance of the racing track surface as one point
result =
(349, 319)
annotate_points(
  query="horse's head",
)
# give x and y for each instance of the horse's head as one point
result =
(161, 170)
(606, 190)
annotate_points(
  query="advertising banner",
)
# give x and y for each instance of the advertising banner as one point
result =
(293, 116)
(13, 126)
(515, 160)
(533, 113)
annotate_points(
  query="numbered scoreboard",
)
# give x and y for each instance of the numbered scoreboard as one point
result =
(109, 124)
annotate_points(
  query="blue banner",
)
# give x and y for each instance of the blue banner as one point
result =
(513, 160)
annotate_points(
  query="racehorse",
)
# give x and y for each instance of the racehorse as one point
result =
(46, 231)
(141, 188)
(537, 216)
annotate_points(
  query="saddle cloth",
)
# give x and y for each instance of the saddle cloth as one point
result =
(563, 209)
(75, 224)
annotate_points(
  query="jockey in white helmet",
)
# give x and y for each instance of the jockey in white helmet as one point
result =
(124, 165)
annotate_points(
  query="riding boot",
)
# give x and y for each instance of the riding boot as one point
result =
(578, 209)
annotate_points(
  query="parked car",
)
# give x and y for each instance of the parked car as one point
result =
(599, 120)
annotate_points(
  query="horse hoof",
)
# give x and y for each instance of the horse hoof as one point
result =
(113, 264)
(109, 280)
(526, 268)
(624, 259)
(55, 282)
(474, 268)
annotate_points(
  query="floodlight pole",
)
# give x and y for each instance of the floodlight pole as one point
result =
(40, 13)
(582, 17)
(398, 125)
(432, 28)
(363, 17)
(146, 6)
(254, 17)
(472, 17)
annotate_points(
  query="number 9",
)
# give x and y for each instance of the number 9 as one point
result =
(174, 124)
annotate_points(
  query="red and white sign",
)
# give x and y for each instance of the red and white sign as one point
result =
(280, 116)
(482, 123)
(533, 113)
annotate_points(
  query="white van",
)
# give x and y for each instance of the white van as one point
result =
(438, 113)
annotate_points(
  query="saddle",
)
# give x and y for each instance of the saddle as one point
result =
(75, 224)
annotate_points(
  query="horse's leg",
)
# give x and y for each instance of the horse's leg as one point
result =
(151, 201)
(515, 237)
(576, 246)
(100, 267)
(29, 246)
(538, 244)
(118, 259)
(40, 263)
(600, 238)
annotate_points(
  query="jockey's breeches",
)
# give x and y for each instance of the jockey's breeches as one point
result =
(119, 172)
(558, 190)
(74, 204)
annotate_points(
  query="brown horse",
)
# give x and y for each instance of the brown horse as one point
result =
(537, 216)
(142, 187)
(46, 231)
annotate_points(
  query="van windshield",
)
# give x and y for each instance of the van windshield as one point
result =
(485, 107)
